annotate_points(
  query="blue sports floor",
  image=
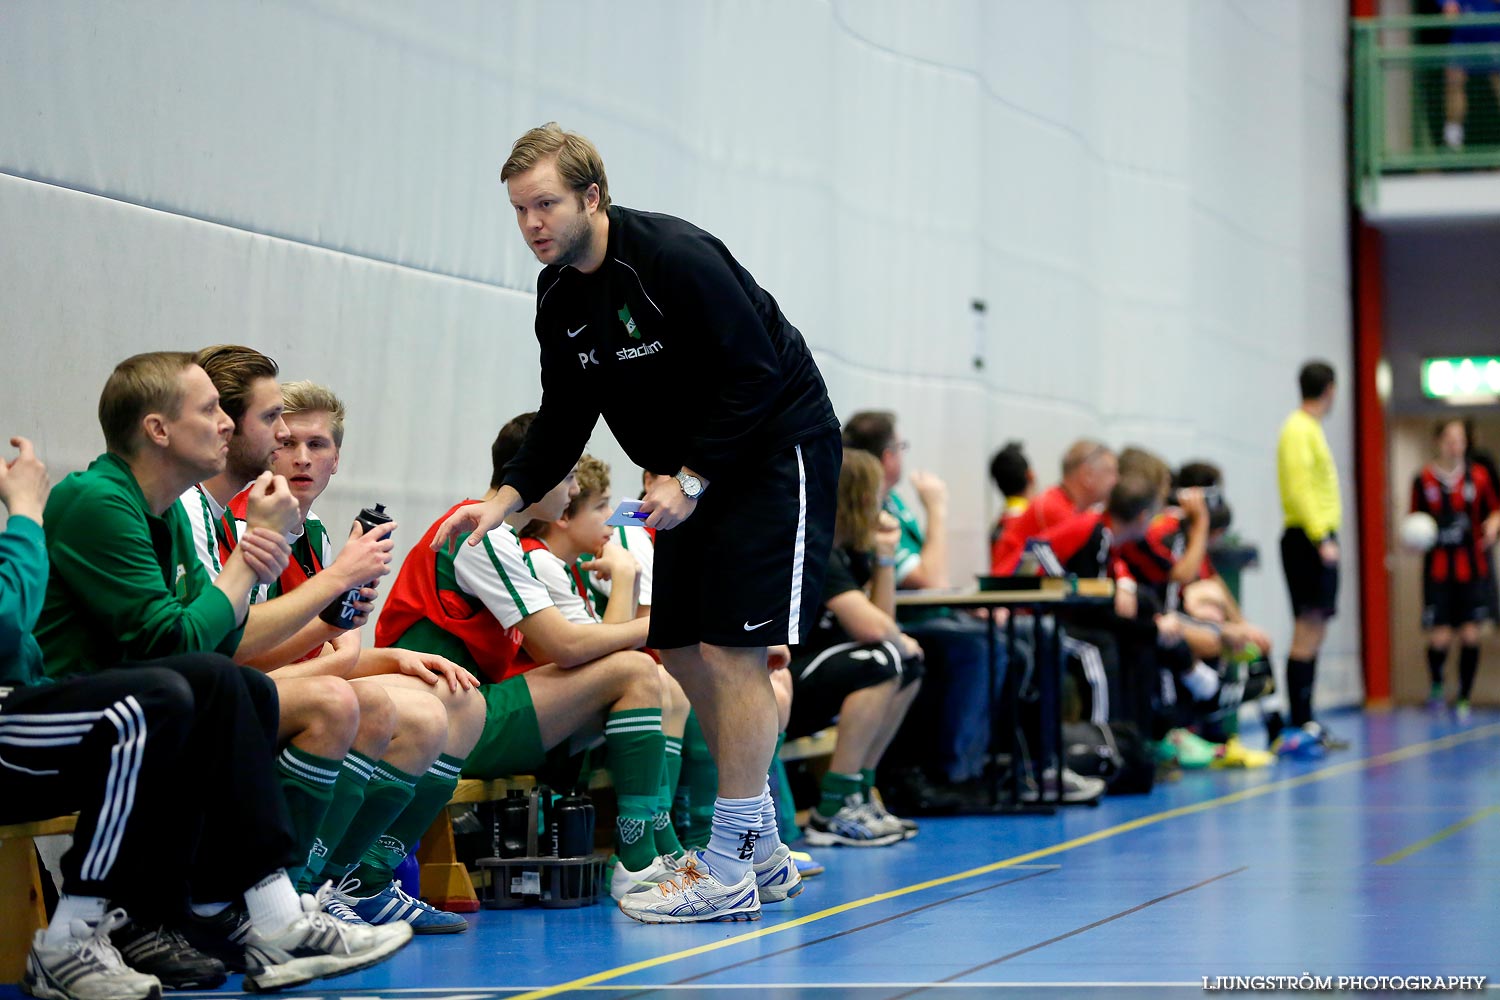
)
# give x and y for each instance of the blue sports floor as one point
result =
(1380, 860)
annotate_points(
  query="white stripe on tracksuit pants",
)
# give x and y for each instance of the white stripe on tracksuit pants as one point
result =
(68, 729)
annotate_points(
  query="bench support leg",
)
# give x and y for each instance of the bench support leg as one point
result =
(445, 882)
(20, 880)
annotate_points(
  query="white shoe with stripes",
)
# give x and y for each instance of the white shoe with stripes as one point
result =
(316, 946)
(86, 966)
(692, 895)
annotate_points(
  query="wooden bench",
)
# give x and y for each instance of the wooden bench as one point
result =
(22, 912)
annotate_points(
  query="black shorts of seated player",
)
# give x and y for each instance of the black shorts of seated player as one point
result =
(822, 681)
(762, 536)
(1312, 583)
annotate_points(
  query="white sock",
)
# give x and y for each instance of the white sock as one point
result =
(770, 833)
(208, 909)
(89, 909)
(273, 903)
(1202, 681)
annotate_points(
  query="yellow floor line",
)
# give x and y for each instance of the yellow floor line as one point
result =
(1323, 774)
(1442, 834)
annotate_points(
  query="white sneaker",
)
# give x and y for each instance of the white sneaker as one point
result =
(778, 878)
(338, 902)
(1076, 788)
(889, 820)
(315, 945)
(624, 881)
(86, 966)
(692, 894)
(855, 825)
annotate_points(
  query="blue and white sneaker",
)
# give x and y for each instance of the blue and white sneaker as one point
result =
(392, 904)
(807, 865)
(778, 877)
(855, 825)
(338, 904)
(693, 895)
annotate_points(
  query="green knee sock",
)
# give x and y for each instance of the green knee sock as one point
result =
(389, 792)
(307, 782)
(348, 796)
(671, 770)
(697, 787)
(838, 791)
(634, 742)
(434, 789)
(786, 809)
(867, 782)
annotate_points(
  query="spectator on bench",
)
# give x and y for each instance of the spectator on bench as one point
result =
(857, 666)
(478, 605)
(380, 806)
(125, 586)
(1011, 473)
(1089, 471)
(948, 735)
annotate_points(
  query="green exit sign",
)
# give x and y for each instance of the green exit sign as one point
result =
(1461, 378)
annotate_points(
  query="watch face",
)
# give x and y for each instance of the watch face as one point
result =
(691, 486)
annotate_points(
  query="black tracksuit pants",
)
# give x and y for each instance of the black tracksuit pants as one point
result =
(169, 766)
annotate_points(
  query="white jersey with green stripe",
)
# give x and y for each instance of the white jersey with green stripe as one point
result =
(497, 574)
(637, 541)
(203, 512)
(562, 582)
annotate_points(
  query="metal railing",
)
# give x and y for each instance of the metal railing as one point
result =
(1426, 95)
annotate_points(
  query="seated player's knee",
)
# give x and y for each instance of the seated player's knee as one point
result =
(636, 673)
(333, 708)
(377, 719)
(423, 722)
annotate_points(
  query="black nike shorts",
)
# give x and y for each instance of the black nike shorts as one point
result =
(746, 569)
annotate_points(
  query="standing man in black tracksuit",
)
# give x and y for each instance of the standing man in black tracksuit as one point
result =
(650, 321)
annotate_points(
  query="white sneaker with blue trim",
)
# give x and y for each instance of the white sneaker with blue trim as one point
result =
(692, 895)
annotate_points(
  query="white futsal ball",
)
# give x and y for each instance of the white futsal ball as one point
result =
(1419, 531)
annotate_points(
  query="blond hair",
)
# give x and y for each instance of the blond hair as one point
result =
(578, 162)
(860, 481)
(141, 384)
(303, 396)
(1149, 465)
(234, 369)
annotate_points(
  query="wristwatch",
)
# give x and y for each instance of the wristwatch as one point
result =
(692, 486)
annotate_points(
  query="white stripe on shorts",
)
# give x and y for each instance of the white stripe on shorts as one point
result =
(799, 551)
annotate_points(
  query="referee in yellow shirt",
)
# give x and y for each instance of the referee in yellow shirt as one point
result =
(1309, 546)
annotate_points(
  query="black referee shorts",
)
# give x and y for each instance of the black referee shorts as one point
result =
(1454, 602)
(1313, 585)
(747, 568)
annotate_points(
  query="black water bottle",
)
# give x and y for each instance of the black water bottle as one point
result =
(341, 613)
(511, 816)
(575, 826)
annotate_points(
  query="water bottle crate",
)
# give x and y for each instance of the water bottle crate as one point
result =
(552, 883)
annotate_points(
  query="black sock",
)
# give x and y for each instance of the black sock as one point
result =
(1468, 667)
(1435, 660)
(1299, 683)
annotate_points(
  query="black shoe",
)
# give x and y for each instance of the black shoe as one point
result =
(163, 952)
(221, 935)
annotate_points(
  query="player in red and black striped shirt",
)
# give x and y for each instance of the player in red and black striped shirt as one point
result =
(1460, 496)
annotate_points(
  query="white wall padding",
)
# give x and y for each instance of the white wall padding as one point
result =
(1149, 197)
